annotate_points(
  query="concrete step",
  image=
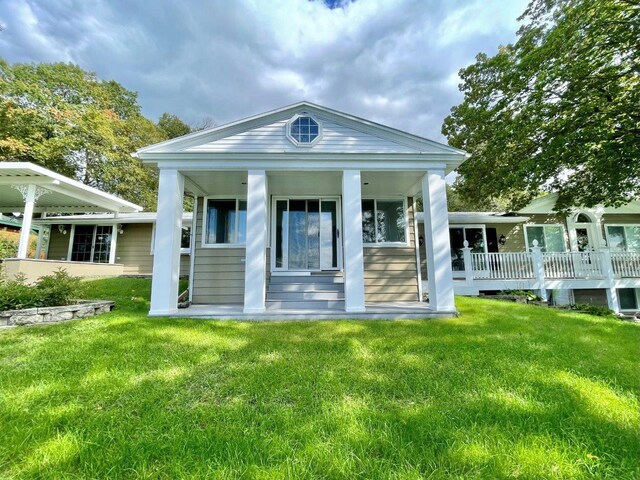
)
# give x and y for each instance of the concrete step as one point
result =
(305, 305)
(297, 296)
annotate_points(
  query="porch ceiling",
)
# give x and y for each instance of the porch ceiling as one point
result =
(374, 183)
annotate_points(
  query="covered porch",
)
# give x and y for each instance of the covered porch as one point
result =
(36, 193)
(317, 243)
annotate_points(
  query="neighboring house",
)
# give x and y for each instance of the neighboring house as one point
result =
(588, 256)
(89, 238)
(303, 210)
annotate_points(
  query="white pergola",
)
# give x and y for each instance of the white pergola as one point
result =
(29, 188)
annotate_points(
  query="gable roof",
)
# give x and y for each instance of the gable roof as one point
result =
(264, 133)
(545, 204)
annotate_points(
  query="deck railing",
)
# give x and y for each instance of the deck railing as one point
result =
(626, 264)
(502, 266)
(573, 265)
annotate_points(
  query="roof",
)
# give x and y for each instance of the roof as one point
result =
(139, 217)
(457, 218)
(56, 193)
(265, 135)
(544, 205)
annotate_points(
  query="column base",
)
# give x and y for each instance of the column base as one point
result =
(162, 313)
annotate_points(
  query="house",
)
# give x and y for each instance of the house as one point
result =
(590, 255)
(303, 210)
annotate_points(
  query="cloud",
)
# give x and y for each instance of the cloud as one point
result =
(392, 61)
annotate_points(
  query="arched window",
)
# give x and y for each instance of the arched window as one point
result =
(583, 218)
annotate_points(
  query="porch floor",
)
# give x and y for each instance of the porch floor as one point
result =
(374, 311)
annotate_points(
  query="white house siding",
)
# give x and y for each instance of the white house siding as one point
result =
(218, 273)
(390, 273)
(272, 138)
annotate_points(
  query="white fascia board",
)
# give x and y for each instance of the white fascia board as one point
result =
(233, 128)
(101, 218)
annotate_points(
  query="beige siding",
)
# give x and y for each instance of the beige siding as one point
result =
(218, 275)
(390, 273)
(133, 249)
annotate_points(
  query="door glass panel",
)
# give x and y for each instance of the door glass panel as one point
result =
(103, 244)
(282, 226)
(456, 237)
(82, 241)
(297, 234)
(475, 238)
(242, 222)
(582, 235)
(328, 235)
(313, 234)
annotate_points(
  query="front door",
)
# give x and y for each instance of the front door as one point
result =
(305, 234)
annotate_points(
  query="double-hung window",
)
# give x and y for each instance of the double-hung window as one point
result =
(225, 222)
(384, 221)
(550, 237)
(625, 238)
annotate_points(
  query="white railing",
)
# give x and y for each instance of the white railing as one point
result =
(573, 265)
(626, 264)
(502, 266)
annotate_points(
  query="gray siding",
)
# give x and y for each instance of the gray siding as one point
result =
(218, 275)
(390, 273)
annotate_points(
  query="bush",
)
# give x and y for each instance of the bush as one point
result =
(53, 290)
(596, 310)
(528, 294)
(8, 244)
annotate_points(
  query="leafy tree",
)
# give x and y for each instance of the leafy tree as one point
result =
(65, 119)
(557, 110)
(172, 126)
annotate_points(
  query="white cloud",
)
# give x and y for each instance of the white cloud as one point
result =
(393, 61)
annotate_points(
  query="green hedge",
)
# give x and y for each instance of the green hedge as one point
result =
(53, 290)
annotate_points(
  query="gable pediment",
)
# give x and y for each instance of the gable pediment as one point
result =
(267, 133)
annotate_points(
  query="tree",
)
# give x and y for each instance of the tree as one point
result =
(65, 119)
(172, 126)
(557, 110)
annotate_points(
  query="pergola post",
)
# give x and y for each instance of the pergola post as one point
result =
(25, 231)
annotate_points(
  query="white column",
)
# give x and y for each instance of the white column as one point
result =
(352, 237)
(29, 202)
(113, 245)
(255, 276)
(607, 269)
(438, 247)
(166, 252)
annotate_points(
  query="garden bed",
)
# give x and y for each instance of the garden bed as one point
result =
(31, 316)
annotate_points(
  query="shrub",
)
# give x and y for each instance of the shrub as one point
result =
(528, 294)
(53, 290)
(8, 244)
(596, 310)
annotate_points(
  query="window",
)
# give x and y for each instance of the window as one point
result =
(226, 222)
(91, 243)
(550, 237)
(383, 221)
(628, 299)
(476, 237)
(303, 130)
(185, 240)
(624, 238)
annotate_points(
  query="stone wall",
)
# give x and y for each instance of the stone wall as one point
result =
(33, 316)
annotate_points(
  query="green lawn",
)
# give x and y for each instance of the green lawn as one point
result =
(502, 391)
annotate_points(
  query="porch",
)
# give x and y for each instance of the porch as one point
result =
(542, 271)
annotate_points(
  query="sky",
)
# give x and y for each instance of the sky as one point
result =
(395, 62)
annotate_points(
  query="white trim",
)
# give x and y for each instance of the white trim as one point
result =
(113, 246)
(526, 238)
(192, 246)
(72, 232)
(205, 220)
(405, 209)
(416, 244)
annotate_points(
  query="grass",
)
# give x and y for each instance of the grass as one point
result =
(503, 391)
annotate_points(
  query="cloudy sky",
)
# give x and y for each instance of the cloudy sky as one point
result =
(392, 61)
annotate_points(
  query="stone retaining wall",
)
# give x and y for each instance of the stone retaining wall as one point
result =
(31, 316)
